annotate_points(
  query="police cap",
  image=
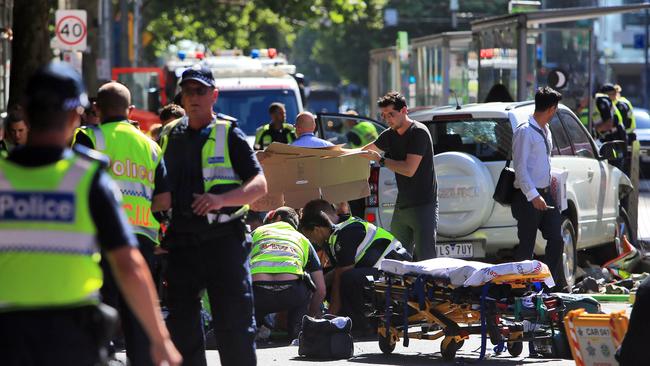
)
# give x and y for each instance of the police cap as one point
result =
(56, 87)
(199, 73)
(607, 88)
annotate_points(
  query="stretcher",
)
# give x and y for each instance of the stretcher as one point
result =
(453, 299)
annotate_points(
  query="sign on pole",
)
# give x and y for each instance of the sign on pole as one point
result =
(71, 30)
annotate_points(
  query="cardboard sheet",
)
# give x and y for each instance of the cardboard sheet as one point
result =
(297, 175)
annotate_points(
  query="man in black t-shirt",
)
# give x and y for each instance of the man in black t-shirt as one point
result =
(409, 153)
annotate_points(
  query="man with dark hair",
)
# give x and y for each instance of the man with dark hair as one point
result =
(17, 127)
(533, 205)
(146, 195)
(409, 153)
(49, 248)
(278, 130)
(355, 247)
(287, 275)
(171, 112)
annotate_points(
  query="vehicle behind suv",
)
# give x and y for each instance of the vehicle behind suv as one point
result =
(471, 147)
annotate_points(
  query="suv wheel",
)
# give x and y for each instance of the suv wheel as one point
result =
(569, 257)
(623, 228)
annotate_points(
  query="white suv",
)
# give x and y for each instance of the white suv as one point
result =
(471, 145)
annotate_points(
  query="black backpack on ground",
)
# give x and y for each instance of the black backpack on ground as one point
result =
(327, 338)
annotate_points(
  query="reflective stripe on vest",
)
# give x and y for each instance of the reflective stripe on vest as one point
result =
(133, 172)
(48, 251)
(373, 233)
(217, 166)
(278, 248)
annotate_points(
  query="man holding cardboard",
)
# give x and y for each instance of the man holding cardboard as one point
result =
(409, 153)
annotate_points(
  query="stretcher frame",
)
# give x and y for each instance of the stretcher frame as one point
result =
(443, 313)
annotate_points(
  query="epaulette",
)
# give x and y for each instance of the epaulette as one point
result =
(226, 117)
(92, 155)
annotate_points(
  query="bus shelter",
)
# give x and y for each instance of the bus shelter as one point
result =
(553, 47)
(445, 67)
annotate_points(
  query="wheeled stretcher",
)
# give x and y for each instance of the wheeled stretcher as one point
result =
(453, 299)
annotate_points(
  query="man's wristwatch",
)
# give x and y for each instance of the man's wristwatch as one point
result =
(382, 162)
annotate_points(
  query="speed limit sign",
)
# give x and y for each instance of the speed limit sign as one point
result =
(71, 31)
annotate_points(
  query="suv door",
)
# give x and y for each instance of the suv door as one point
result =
(589, 182)
(337, 128)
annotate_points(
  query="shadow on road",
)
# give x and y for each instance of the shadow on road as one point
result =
(422, 359)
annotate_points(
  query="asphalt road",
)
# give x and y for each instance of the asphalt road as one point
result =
(418, 353)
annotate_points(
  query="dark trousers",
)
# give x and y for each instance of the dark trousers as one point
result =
(416, 226)
(138, 349)
(353, 283)
(278, 296)
(549, 222)
(633, 351)
(49, 337)
(217, 262)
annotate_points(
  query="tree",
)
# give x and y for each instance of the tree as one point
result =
(30, 48)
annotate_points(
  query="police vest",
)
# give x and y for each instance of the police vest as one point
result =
(372, 237)
(134, 158)
(366, 131)
(615, 113)
(279, 248)
(263, 137)
(629, 121)
(48, 251)
(217, 169)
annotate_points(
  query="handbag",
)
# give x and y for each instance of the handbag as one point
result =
(505, 188)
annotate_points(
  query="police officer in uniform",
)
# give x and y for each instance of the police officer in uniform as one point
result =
(355, 247)
(623, 106)
(278, 130)
(213, 176)
(287, 274)
(138, 168)
(58, 208)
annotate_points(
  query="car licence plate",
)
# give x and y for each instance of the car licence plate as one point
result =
(455, 250)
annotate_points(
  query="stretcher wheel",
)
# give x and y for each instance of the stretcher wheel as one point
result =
(449, 347)
(515, 348)
(386, 344)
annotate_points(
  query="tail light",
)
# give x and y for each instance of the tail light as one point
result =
(373, 181)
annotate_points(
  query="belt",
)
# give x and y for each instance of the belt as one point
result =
(223, 218)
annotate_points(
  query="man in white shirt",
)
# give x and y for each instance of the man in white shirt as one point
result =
(533, 206)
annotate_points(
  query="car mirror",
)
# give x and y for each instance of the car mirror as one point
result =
(612, 150)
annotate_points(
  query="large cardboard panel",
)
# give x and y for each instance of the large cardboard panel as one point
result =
(297, 175)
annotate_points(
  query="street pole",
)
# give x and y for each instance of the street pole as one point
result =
(124, 33)
(106, 34)
(137, 26)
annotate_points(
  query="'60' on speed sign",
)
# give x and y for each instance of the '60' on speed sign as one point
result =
(71, 31)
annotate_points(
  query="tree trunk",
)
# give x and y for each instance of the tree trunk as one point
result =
(31, 44)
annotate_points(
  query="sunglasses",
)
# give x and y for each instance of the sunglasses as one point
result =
(200, 91)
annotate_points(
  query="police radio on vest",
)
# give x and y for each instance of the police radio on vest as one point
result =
(37, 206)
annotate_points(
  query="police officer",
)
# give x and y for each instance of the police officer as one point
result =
(607, 123)
(361, 133)
(58, 209)
(355, 247)
(623, 106)
(138, 168)
(278, 130)
(213, 176)
(287, 274)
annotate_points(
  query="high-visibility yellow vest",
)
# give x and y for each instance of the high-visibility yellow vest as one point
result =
(217, 169)
(616, 114)
(48, 251)
(134, 159)
(366, 131)
(373, 235)
(629, 128)
(263, 137)
(279, 248)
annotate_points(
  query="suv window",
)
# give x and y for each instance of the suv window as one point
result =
(578, 135)
(487, 139)
(560, 139)
(337, 128)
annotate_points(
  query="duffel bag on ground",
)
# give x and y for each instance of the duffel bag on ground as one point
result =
(327, 338)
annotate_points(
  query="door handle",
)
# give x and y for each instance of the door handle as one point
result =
(390, 182)
(590, 174)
